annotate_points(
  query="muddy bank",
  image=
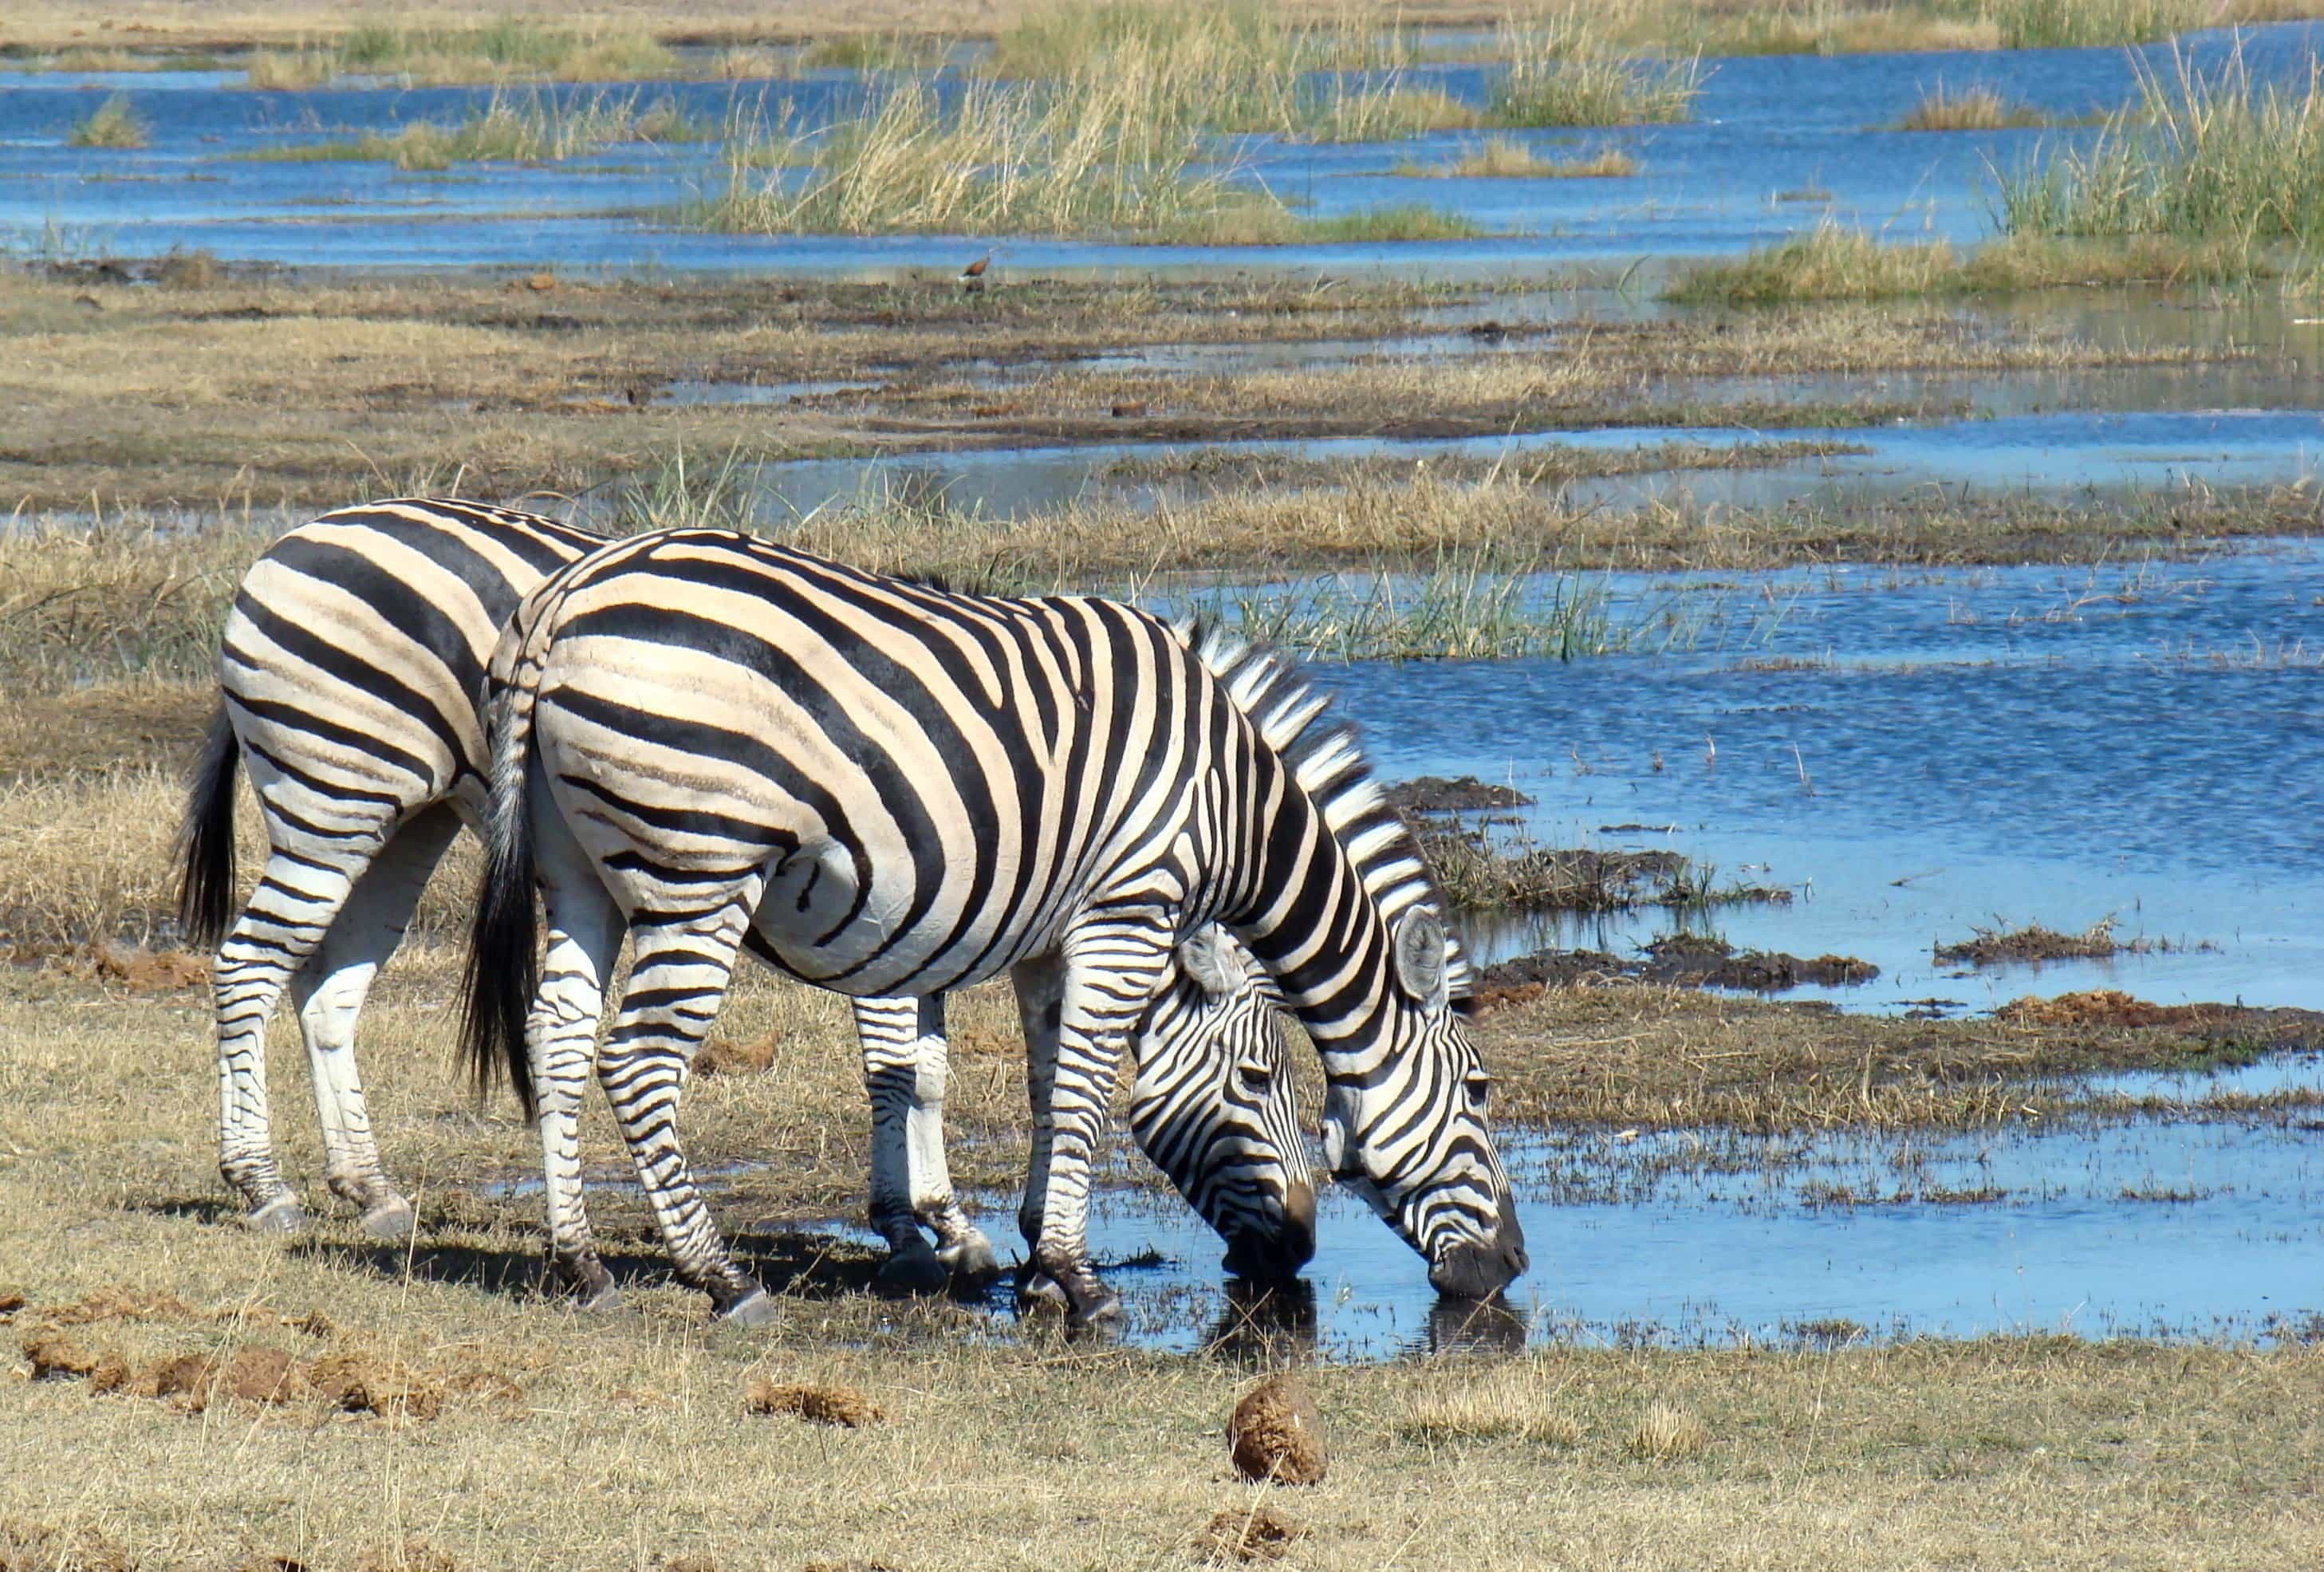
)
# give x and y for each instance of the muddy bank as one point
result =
(2034, 944)
(1484, 869)
(1466, 794)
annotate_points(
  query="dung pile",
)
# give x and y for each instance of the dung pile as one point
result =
(824, 1405)
(1276, 1434)
(1258, 1533)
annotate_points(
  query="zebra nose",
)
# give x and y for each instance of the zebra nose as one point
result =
(1299, 1224)
(1276, 1255)
(1477, 1269)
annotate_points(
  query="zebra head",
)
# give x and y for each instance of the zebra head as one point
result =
(1404, 1124)
(1213, 1107)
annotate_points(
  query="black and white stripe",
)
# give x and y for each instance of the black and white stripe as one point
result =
(350, 665)
(882, 786)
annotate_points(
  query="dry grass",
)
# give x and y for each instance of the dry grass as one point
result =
(1519, 1401)
(1831, 263)
(1973, 108)
(1668, 1435)
(112, 124)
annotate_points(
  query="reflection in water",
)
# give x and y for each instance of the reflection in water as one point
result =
(1264, 1325)
(1471, 1327)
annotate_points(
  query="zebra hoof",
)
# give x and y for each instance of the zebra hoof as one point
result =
(909, 1273)
(753, 1310)
(970, 1261)
(281, 1215)
(1099, 1310)
(392, 1218)
(1038, 1292)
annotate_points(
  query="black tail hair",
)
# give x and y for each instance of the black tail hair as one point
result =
(205, 840)
(504, 967)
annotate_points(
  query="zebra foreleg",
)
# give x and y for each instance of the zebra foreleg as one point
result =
(329, 995)
(297, 900)
(678, 974)
(1111, 972)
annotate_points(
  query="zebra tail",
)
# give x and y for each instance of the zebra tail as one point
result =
(504, 967)
(205, 840)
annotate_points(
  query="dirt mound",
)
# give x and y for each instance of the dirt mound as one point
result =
(150, 971)
(360, 1384)
(112, 1304)
(1259, 1533)
(824, 1405)
(56, 1357)
(1276, 1434)
(724, 1057)
(1466, 794)
(11, 1301)
(255, 1375)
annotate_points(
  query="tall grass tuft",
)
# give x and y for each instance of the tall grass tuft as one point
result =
(1561, 71)
(2214, 158)
(112, 124)
(1115, 148)
(1967, 109)
(1501, 158)
(2089, 24)
(1466, 607)
(533, 129)
(505, 48)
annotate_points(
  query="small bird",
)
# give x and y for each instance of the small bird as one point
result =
(972, 277)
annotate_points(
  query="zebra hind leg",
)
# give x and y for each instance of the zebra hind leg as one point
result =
(584, 937)
(297, 900)
(678, 974)
(329, 995)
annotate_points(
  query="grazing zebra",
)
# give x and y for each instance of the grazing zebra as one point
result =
(351, 662)
(705, 739)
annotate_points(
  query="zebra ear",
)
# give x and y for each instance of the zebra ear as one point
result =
(1205, 955)
(1420, 952)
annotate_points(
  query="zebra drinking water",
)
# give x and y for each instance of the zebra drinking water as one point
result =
(704, 740)
(350, 666)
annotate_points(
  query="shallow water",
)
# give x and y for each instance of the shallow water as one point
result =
(1766, 129)
(2199, 1225)
(1943, 751)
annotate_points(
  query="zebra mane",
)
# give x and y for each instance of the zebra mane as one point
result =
(1320, 748)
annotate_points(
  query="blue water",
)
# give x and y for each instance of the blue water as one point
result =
(1766, 127)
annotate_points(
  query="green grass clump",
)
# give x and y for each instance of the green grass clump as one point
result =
(2206, 159)
(112, 124)
(1827, 263)
(1968, 109)
(1465, 607)
(505, 48)
(1560, 72)
(873, 51)
(533, 130)
(1109, 151)
(2088, 24)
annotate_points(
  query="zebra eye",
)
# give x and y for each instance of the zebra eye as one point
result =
(1255, 1078)
(1480, 1086)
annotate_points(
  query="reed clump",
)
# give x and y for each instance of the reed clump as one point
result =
(505, 48)
(1562, 71)
(1974, 108)
(537, 128)
(2092, 23)
(2206, 159)
(1512, 1402)
(112, 124)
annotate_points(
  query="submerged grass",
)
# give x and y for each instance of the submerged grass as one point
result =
(1504, 158)
(2213, 159)
(112, 124)
(534, 129)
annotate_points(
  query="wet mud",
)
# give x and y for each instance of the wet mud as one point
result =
(1682, 960)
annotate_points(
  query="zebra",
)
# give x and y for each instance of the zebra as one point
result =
(350, 664)
(705, 739)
